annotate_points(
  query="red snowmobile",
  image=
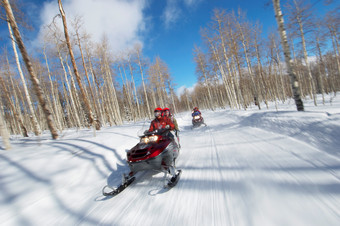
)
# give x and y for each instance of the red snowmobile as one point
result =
(156, 150)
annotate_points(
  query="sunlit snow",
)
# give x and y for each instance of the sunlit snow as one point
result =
(254, 167)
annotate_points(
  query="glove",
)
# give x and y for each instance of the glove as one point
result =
(167, 127)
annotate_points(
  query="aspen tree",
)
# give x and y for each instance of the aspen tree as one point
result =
(36, 126)
(129, 93)
(136, 98)
(332, 23)
(219, 17)
(299, 15)
(4, 133)
(256, 30)
(53, 92)
(13, 108)
(77, 27)
(138, 51)
(34, 79)
(3, 129)
(319, 43)
(231, 94)
(95, 84)
(276, 56)
(201, 69)
(88, 108)
(293, 79)
(244, 38)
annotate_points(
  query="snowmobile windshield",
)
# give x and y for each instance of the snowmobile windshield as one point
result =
(144, 129)
(197, 117)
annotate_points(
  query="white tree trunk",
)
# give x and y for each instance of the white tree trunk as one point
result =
(36, 126)
(3, 130)
(34, 79)
(293, 79)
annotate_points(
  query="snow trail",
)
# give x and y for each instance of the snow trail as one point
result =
(245, 168)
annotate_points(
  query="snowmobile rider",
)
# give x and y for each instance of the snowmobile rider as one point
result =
(167, 114)
(160, 122)
(195, 111)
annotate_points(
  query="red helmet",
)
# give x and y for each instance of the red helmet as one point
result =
(166, 109)
(195, 108)
(158, 112)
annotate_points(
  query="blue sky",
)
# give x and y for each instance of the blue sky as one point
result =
(174, 43)
(165, 28)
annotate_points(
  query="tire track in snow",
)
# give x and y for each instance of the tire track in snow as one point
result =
(226, 194)
(326, 156)
(318, 200)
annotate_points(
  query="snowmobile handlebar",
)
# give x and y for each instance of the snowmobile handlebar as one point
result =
(157, 131)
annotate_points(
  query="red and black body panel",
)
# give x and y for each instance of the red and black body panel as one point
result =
(153, 155)
(197, 121)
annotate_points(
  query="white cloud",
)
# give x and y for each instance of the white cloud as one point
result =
(171, 13)
(181, 89)
(174, 10)
(190, 3)
(120, 21)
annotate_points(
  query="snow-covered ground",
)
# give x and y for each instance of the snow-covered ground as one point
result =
(247, 168)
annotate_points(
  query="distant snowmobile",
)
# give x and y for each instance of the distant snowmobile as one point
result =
(197, 120)
(156, 150)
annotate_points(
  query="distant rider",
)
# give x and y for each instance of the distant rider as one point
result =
(195, 112)
(160, 122)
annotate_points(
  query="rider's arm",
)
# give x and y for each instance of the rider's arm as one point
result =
(152, 127)
(168, 122)
(175, 123)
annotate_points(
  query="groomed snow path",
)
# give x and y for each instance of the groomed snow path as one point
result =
(246, 168)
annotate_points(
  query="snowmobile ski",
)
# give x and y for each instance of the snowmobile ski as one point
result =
(174, 180)
(119, 189)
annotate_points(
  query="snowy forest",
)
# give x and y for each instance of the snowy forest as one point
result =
(73, 82)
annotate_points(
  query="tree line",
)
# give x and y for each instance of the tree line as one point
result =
(73, 82)
(237, 66)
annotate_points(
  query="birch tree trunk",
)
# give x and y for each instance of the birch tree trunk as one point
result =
(335, 43)
(53, 91)
(87, 104)
(97, 123)
(245, 45)
(311, 84)
(73, 103)
(134, 87)
(129, 93)
(297, 71)
(231, 96)
(201, 64)
(144, 88)
(3, 130)
(234, 89)
(96, 86)
(37, 130)
(13, 108)
(279, 65)
(34, 79)
(321, 64)
(293, 80)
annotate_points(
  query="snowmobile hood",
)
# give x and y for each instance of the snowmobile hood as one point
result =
(144, 151)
